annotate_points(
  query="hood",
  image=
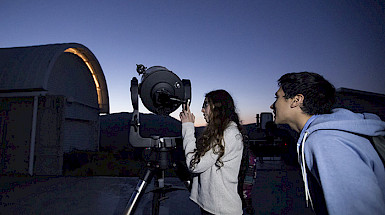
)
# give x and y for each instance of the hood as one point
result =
(346, 120)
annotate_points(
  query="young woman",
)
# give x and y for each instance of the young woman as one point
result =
(215, 157)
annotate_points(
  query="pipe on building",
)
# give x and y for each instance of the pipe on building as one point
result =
(33, 136)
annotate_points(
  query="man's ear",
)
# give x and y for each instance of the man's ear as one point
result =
(297, 101)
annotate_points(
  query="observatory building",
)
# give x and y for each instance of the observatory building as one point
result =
(51, 97)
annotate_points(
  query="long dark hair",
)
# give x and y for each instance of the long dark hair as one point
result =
(223, 112)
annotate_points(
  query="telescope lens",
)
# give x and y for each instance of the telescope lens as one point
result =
(161, 90)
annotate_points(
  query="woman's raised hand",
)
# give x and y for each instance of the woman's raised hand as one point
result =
(186, 115)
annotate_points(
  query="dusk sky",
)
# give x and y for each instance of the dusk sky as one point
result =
(242, 46)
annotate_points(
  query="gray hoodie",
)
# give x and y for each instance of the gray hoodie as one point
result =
(344, 166)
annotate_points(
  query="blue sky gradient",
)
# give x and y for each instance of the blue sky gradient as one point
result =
(240, 46)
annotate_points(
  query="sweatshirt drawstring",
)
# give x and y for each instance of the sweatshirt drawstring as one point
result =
(303, 169)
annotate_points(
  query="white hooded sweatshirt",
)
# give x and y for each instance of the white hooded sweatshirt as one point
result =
(215, 189)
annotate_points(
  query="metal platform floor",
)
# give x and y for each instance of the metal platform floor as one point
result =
(278, 189)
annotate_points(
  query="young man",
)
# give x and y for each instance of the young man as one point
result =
(342, 172)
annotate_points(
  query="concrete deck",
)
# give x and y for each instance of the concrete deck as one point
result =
(278, 189)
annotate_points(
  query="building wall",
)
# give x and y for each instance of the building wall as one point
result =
(80, 135)
(49, 136)
(71, 77)
(15, 134)
(56, 134)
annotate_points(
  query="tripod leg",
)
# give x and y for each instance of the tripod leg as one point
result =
(157, 194)
(140, 187)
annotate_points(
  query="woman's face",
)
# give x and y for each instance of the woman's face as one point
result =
(206, 110)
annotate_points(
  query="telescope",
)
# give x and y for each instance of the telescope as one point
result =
(161, 92)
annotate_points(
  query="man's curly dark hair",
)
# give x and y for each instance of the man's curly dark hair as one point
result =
(319, 94)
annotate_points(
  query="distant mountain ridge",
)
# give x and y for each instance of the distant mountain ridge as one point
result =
(115, 129)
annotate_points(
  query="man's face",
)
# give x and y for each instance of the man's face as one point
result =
(281, 107)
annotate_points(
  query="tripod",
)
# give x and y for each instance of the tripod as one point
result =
(162, 92)
(155, 168)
